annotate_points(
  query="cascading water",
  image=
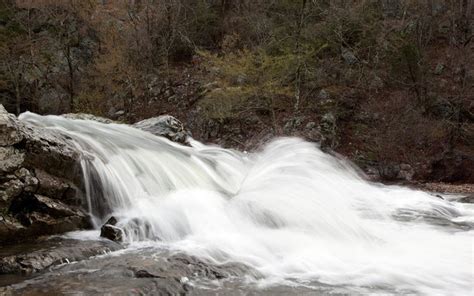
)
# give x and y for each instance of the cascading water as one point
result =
(290, 211)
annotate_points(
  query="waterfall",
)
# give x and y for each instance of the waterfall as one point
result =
(292, 212)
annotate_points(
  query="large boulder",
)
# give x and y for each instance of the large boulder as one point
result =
(110, 231)
(165, 126)
(40, 181)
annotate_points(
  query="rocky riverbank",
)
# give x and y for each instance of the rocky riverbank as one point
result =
(41, 188)
(40, 182)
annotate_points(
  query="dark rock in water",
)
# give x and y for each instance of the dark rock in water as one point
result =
(145, 274)
(110, 231)
(467, 199)
(112, 221)
(164, 126)
(42, 254)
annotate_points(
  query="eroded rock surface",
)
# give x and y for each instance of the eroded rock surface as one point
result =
(165, 126)
(39, 181)
(141, 272)
(42, 254)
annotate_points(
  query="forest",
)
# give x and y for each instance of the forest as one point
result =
(388, 84)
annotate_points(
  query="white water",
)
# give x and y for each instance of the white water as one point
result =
(290, 211)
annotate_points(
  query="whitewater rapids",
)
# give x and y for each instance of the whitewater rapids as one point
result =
(293, 213)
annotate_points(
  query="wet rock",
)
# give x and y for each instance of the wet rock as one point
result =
(467, 199)
(50, 185)
(9, 128)
(45, 224)
(30, 205)
(165, 126)
(143, 272)
(40, 215)
(110, 231)
(35, 202)
(43, 254)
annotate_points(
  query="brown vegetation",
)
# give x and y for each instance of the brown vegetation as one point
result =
(384, 82)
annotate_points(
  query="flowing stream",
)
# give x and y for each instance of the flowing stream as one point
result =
(294, 214)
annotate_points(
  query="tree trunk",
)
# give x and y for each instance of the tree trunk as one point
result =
(71, 78)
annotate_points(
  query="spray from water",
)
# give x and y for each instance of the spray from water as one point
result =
(290, 211)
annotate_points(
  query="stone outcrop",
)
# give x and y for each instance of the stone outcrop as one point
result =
(47, 253)
(41, 179)
(165, 126)
(143, 272)
(39, 182)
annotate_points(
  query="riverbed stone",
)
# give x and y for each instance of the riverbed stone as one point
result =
(43, 254)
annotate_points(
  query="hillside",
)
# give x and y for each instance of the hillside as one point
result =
(388, 84)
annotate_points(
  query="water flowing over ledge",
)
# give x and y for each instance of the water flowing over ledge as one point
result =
(291, 212)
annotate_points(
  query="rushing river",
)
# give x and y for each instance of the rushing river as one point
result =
(295, 215)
